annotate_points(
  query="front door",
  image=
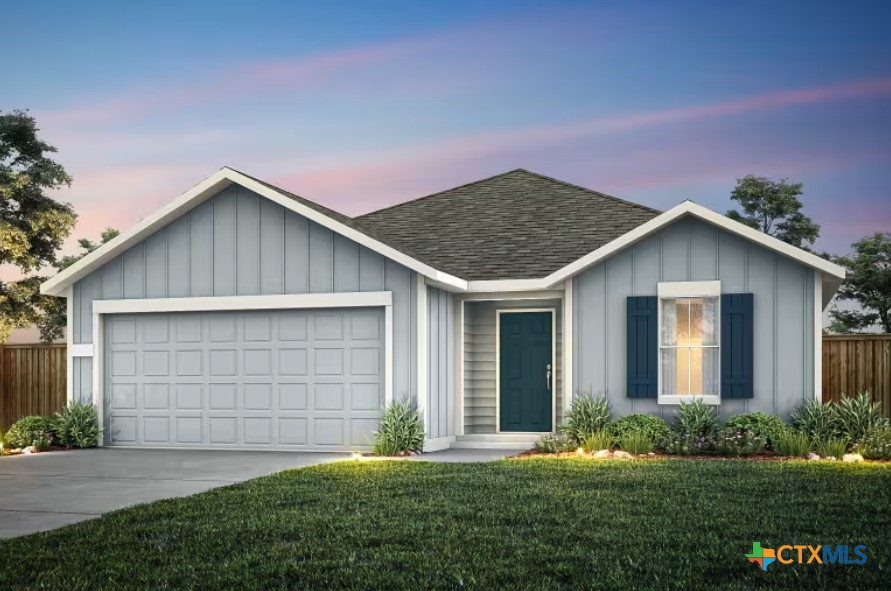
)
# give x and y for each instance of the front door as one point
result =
(526, 371)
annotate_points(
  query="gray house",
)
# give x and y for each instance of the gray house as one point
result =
(243, 316)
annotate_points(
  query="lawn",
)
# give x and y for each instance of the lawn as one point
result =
(522, 524)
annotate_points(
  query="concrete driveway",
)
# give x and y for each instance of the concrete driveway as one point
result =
(45, 491)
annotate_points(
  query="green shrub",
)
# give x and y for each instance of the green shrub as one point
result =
(859, 415)
(761, 424)
(587, 415)
(597, 441)
(876, 445)
(833, 447)
(734, 442)
(637, 442)
(653, 427)
(76, 425)
(817, 420)
(555, 444)
(684, 444)
(696, 419)
(27, 430)
(401, 431)
(794, 443)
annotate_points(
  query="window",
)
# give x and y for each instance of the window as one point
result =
(689, 354)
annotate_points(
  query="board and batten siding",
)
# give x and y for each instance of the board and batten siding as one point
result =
(238, 243)
(440, 401)
(693, 250)
(479, 361)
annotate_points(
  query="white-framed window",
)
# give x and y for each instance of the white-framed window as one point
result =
(689, 342)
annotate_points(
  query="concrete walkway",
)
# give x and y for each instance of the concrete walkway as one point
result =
(45, 491)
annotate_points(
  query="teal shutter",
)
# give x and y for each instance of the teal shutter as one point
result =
(737, 345)
(643, 347)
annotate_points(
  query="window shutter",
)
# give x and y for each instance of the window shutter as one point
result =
(737, 345)
(643, 347)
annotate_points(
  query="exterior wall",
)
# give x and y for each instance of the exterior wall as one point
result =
(692, 250)
(479, 361)
(239, 243)
(440, 402)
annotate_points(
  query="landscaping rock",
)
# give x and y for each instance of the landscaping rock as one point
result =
(31, 449)
(622, 455)
(852, 458)
(602, 454)
(813, 456)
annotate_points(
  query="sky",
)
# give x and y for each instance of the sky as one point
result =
(360, 105)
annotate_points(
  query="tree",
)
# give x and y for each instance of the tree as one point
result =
(87, 246)
(868, 283)
(774, 208)
(33, 225)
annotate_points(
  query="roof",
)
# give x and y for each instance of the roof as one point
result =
(516, 225)
(514, 231)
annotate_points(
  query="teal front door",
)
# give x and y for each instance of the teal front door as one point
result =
(526, 371)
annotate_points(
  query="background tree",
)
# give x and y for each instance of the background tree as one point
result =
(774, 208)
(33, 225)
(868, 283)
(87, 246)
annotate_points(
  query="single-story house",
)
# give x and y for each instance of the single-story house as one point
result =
(243, 316)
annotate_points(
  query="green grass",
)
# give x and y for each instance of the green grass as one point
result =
(526, 524)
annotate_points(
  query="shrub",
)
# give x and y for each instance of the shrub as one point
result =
(734, 442)
(876, 445)
(597, 441)
(790, 442)
(859, 415)
(3, 443)
(833, 447)
(637, 442)
(762, 425)
(27, 430)
(587, 415)
(401, 431)
(653, 427)
(76, 425)
(817, 420)
(555, 444)
(686, 444)
(696, 419)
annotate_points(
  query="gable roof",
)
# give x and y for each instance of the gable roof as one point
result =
(516, 225)
(514, 231)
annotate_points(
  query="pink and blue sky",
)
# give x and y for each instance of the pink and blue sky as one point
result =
(359, 105)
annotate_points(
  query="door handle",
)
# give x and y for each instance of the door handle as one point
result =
(548, 376)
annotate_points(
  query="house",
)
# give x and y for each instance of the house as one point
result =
(244, 316)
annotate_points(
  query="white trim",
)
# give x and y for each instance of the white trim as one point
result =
(688, 289)
(568, 303)
(498, 313)
(421, 348)
(438, 444)
(98, 372)
(81, 350)
(361, 299)
(818, 336)
(389, 369)
(710, 399)
(502, 285)
(205, 190)
(69, 342)
(459, 368)
(498, 296)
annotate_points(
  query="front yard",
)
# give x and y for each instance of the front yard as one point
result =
(531, 523)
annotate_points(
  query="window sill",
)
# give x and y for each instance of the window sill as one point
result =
(715, 400)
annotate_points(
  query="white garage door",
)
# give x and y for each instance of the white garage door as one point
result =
(283, 379)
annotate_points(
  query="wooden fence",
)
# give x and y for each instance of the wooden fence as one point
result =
(854, 363)
(32, 381)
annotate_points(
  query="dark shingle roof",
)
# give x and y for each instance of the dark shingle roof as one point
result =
(517, 225)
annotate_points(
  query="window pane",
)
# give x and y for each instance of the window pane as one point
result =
(683, 311)
(669, 372)
(710, 359)
(709, 323)
(696, 371)
(682, 383)
(695, 321)
(669, 322)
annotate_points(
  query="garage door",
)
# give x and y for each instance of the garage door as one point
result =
(284, 379)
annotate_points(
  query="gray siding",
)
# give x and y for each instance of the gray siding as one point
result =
(238, 243)
(440, 363)
(479, 361)
(692, 250)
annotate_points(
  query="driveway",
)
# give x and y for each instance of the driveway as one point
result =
(46, 491)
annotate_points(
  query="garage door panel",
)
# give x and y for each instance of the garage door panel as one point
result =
(278, 379)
